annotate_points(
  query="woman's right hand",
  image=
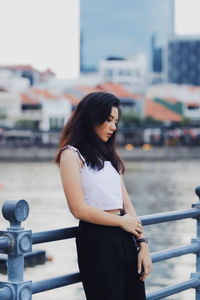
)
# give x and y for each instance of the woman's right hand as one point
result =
(132, 225)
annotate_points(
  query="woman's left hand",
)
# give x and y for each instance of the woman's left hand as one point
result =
(144, 261)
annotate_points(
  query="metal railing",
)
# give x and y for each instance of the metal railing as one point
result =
(16, 242)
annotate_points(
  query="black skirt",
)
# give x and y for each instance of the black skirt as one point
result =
(107, 260)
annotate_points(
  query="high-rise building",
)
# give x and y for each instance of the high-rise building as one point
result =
(182, 64)
(123, 28)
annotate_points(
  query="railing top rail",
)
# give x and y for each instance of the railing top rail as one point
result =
(66, 233)
(16, 211)
(56, 282)
(170, 216)
(194, 248)
(53, 235)
(173, 289)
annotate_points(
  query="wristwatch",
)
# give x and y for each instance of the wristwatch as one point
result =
(142, 240)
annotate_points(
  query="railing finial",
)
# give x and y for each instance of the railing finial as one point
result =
(15, 212)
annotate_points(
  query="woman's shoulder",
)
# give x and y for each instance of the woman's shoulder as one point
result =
(70, 153)
(70, 147)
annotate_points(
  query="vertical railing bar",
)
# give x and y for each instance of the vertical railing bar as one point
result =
(16, 242)
(197, 205)
(20, 242)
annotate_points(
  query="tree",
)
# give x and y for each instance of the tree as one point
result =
(130, 118)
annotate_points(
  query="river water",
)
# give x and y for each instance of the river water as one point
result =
(153, 187)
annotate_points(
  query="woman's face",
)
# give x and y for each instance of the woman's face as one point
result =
(106, 129)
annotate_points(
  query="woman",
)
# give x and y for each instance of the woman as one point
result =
(112, 265)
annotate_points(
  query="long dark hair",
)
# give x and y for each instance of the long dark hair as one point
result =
(92, 110)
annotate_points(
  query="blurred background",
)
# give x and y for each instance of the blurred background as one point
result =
(147, 53)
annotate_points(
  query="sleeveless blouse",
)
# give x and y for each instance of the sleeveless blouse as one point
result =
(101, 188)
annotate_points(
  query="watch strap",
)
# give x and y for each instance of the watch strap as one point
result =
(142, 240)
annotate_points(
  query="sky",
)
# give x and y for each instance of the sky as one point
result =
(187, 19)
(45, 33)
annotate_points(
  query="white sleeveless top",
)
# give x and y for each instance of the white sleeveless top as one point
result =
(102, 188)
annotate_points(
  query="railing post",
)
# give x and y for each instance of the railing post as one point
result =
(20, 242)
(197, 240)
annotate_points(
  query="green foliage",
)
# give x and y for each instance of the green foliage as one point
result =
(3, 115)
(186, 121)
(130, 118)
(27, 124)
(151, 120)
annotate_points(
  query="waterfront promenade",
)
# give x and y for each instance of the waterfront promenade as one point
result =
(136, 154)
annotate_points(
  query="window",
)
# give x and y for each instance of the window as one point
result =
(56, 123)
(193, 107)
(109, 72)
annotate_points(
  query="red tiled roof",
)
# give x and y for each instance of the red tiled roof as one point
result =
(20, 67)
(45, 93)
(137, 97)
(115, 88)
(195, 104)
(48, 71)
(27, 68)
(26, 99)
(33, 96)
(110, 87)
(87, 89)
(159, 112)
(77, 93)
(72, 99)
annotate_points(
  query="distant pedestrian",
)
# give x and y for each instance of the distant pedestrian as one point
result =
(112, 250)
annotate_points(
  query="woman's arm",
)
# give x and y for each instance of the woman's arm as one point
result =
(144, 259)
(128, 206)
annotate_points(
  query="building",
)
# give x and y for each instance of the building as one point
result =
(28, 72)
(46, 111)
(10, 107)
(156, 72)
(161, 110)
(182, 61)
(130, 73)
(183, 100)
(12, 83)
(122, 28)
